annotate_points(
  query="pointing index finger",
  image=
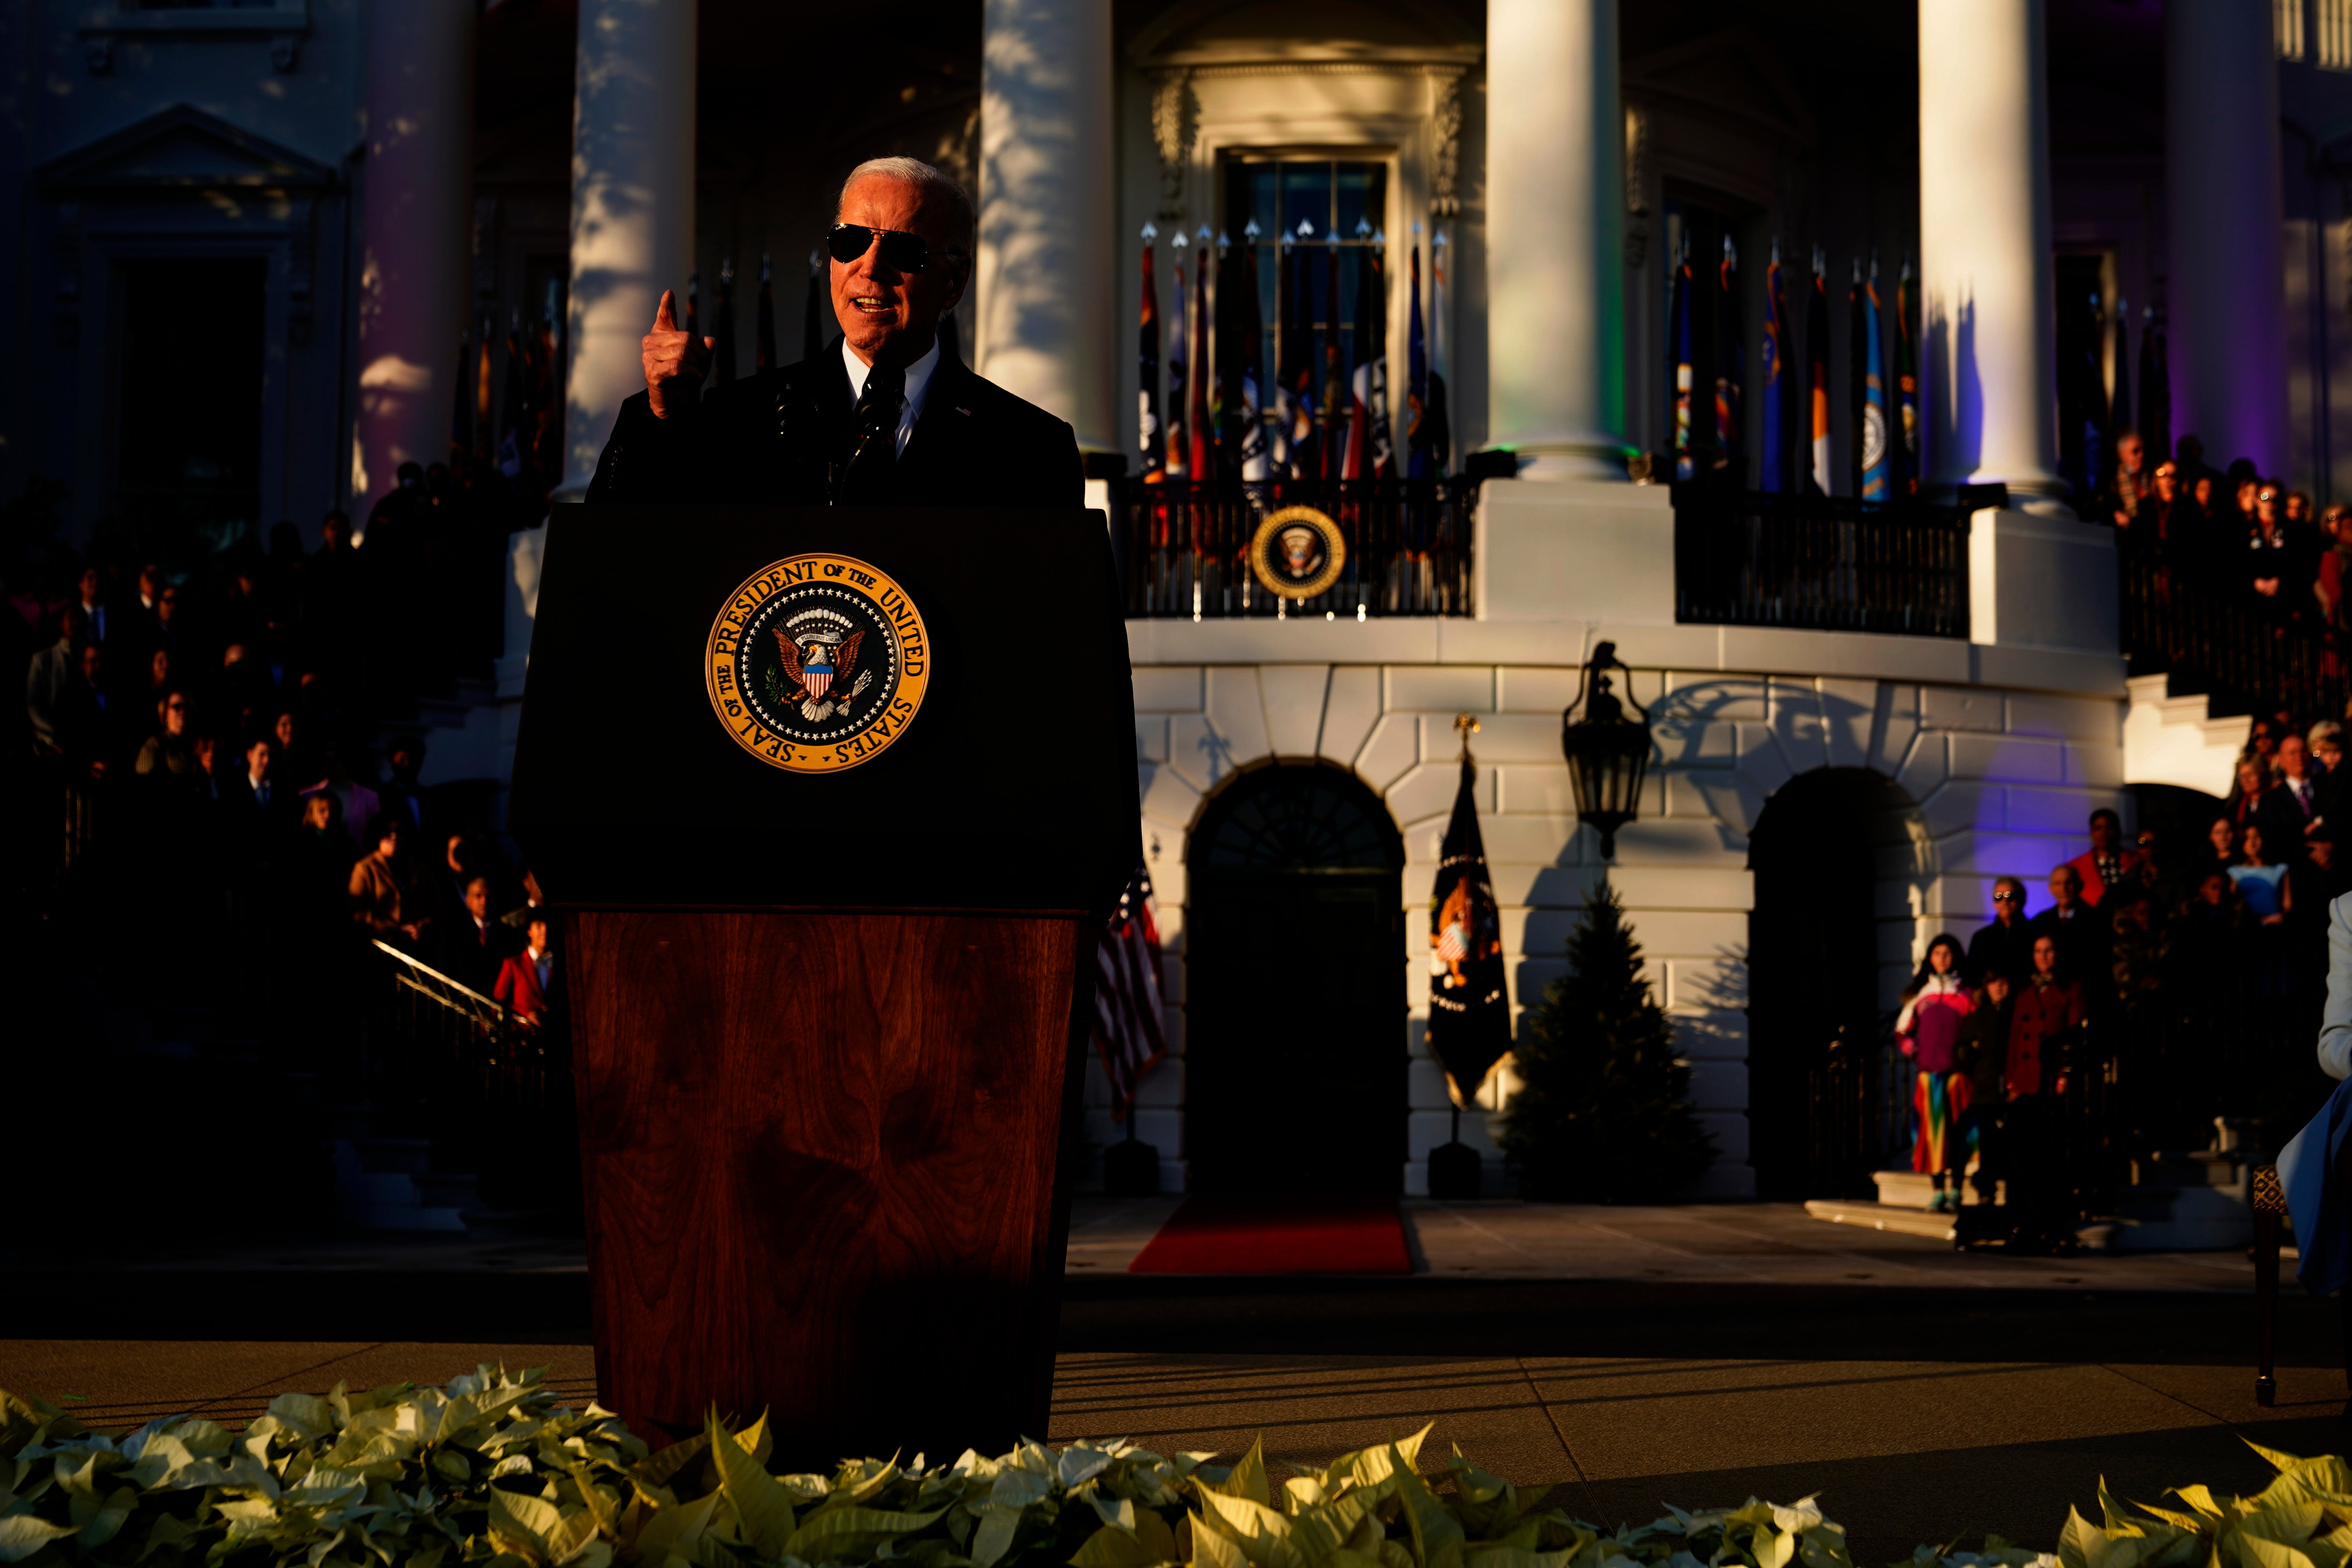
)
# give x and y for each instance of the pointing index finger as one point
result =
(664, 317)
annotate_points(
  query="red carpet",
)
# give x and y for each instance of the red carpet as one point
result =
(1278, 1235)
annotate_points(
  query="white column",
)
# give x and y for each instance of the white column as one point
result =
(632, 206)
(2225, 287)
(417, 194)
(1991, 378)
(1045, 317)
(1555, 246)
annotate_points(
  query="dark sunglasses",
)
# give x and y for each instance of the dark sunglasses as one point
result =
(2008, 898)
(901, 252)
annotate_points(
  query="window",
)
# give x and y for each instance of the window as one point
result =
(2287, 23)
(1333, 199)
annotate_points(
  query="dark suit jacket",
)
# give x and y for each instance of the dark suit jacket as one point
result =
(2007, 950)
(2281, 819)
(2083, 946)
(779, 436)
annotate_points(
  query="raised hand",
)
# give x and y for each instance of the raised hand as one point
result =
(676, 362)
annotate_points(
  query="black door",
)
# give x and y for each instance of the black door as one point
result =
(1294, 1003)
(187, 447)
(1814, 1086)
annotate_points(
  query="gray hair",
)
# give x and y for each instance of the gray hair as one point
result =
(937, 190)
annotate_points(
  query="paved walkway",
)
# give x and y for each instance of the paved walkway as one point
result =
(1715, 1244)
(1692, 1355)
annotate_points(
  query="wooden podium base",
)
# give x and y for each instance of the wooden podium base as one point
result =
(821, 1158)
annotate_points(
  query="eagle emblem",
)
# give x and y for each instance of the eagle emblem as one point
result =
(819, 663)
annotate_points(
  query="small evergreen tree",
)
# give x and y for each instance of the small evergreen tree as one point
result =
(1603, 1111)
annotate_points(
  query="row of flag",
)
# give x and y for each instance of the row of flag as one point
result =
(522, 431)
(2090, 419)
(763, 338)
(1793, 443)
(1882, 380)
(1324, 414)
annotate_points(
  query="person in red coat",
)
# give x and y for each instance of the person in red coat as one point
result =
(2045, 1016)
(526, 979)
(2109, 862)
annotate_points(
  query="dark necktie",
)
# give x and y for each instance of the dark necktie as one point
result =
(865, 477)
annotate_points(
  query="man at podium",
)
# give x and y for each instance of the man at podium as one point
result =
(880, 417)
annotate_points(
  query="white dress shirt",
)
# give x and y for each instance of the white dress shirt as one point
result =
(919, 382)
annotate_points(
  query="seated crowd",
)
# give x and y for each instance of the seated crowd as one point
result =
(225, 724)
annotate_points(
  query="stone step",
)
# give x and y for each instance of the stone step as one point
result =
(1881, 1217)
(1913, 1189)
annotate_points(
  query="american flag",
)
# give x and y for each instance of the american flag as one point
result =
(1127, 1029)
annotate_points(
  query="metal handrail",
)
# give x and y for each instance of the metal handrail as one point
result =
(1823, 562)
(454, 994)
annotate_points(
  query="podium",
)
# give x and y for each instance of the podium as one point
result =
(831, 985)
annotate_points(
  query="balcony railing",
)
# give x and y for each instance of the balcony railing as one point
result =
(2212, 639)
(1183, 549)
(1823, 563)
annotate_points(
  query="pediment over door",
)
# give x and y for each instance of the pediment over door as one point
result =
(183, 147)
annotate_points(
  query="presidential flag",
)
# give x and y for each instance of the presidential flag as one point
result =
(1684, 370)
(1179, 359)
(1772, 471)
(1469, 1009)
(1817, 376)
(1129, 1030)
(1146, 372)
(763, 347)
(1875, 486)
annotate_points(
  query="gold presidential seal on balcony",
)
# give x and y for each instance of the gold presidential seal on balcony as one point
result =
(817, 663)
(1298, 551)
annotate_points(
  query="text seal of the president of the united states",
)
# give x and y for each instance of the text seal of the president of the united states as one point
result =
(817, 663)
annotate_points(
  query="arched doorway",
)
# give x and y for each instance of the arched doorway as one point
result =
(1822, 1101)
(1295, 1004)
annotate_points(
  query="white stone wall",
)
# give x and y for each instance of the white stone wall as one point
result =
(1999, 782)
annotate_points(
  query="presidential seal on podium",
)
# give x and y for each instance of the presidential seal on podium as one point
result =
(817, 663)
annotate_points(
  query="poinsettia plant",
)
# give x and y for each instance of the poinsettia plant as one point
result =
(491, 1471)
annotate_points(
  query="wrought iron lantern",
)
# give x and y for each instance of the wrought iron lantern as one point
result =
(1608, 754)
